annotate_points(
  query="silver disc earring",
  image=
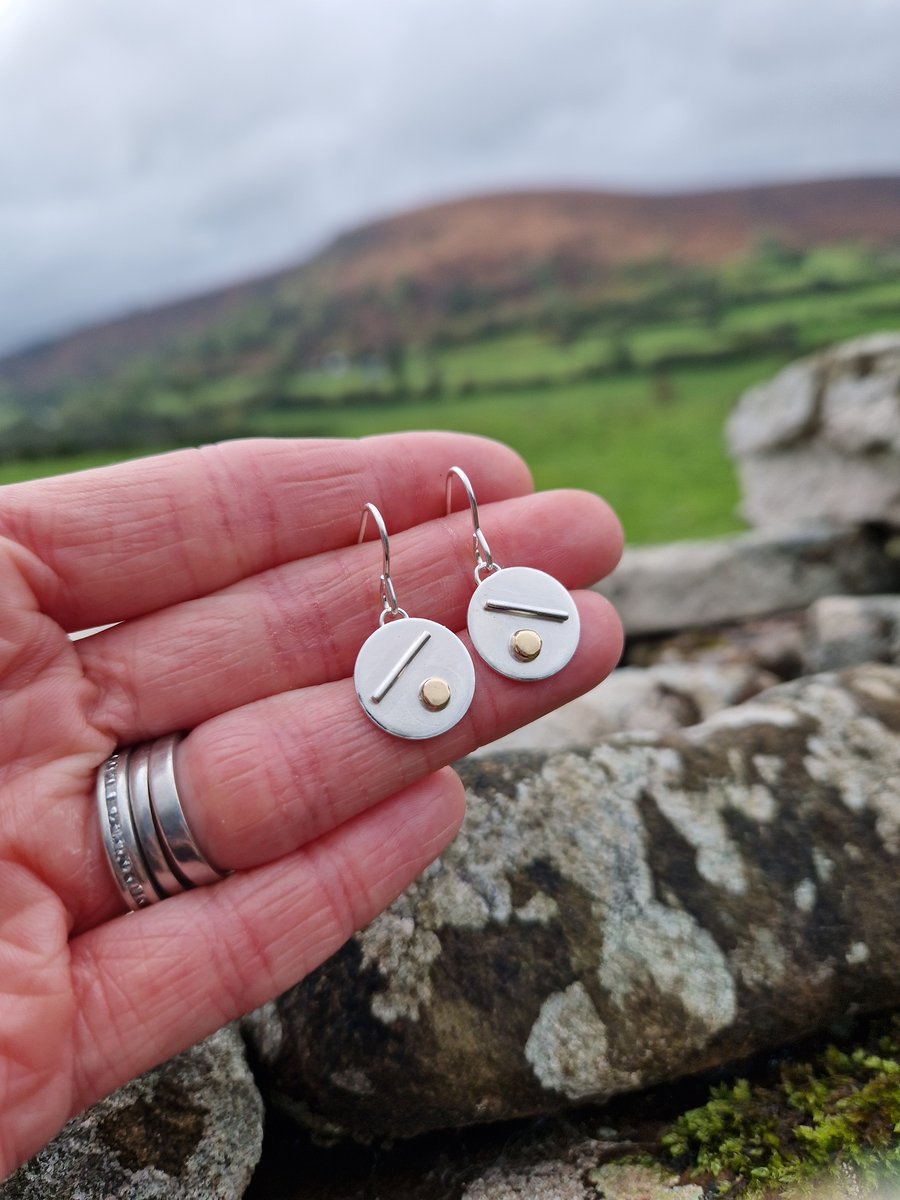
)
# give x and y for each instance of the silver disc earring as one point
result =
(521, 621)
(414, 678)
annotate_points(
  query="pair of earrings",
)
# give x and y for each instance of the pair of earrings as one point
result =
(415, 678)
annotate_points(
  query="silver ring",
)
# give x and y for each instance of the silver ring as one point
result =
(168, 881)
(185, 856)
(151, 851)
(130, 872)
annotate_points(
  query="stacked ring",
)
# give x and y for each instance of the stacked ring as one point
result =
(150, 848)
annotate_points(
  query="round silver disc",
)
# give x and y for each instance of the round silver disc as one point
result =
(523, 623)
(404, 671)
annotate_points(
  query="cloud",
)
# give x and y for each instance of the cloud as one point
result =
(154, 148)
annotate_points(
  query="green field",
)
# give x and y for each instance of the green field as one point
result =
(624, 394)
(661, 465)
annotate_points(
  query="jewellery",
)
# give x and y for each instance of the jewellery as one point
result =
(119, 837)
(145, 826)
(414, 678)
(151, 851)
(183, 853)
(521, 621)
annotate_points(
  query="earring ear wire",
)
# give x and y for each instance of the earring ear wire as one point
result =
(511, 605)
(389, 604)
(484, 560)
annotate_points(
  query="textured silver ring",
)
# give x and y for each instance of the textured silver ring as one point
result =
(129, 868)
(151, 851)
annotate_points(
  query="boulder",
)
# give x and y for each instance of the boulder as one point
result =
(822, 439)
(615, 917)
(689, 585)
(662, 698)
(816, 1119)
(770, 645)
(845, 630)
(190, 1128)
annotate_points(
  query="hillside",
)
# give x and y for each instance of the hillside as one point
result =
(409, 275)
(490, 239)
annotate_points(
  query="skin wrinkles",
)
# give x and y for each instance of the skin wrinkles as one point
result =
(330, 817)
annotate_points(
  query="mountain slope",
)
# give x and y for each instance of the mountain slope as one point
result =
(505, 245)
(481, 236)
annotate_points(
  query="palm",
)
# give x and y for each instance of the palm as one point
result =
(241, 604)
(45, 728)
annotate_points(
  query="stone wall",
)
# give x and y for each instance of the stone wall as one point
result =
(822, 439)
(695, 862)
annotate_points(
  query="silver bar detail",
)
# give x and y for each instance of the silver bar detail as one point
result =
(397, 670)
(523, 610)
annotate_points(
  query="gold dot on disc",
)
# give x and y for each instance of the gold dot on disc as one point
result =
(435, 693)
(525, 645)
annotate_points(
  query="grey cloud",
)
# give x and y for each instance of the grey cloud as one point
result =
(155, 148)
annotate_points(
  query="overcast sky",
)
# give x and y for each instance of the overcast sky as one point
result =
(150, 148)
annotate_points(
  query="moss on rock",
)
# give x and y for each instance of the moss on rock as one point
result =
(839, 1110)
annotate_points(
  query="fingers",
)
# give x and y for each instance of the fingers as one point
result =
(116, 542)
(153, 983)
(302, 624)
(258, 782)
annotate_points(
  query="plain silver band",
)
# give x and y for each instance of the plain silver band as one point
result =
(129, 870)
(184, 854)
(168, 881)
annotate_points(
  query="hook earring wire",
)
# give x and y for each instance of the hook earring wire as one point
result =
(389, 604)
(484, 560)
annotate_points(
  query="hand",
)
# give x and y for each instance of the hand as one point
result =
(243, 601)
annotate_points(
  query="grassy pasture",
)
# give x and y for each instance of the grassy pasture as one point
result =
(660, 464)
(648, 437)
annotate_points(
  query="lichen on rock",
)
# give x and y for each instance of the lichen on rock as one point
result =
(616, 916)
(557, 1046)
(192, 1127)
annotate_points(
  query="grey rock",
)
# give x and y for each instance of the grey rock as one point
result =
(685, 585)
(846, 630)
(772, 645)
(662, 698)
(822, 439)
(862, 415)
(559, 1177)
(613, 918)
(819, 481)
(774, 414)
(188, 1130)
(574, 1177)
